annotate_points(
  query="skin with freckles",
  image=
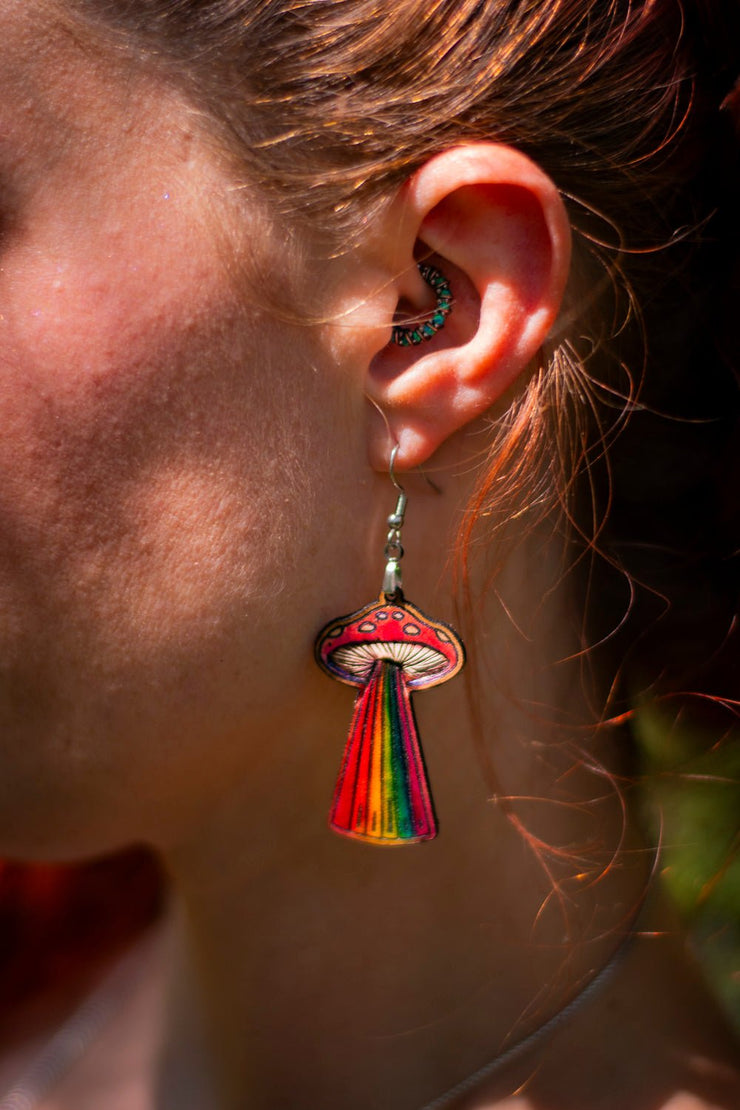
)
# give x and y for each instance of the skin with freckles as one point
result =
(157, 485)
(190, 488)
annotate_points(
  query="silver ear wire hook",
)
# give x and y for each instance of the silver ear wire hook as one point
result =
(392, 471)
(393, 551)
(393, 547)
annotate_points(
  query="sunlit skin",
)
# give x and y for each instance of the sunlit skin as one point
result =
(190, 488)
(158, 487)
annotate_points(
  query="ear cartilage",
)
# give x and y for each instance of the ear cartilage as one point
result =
(410, 336)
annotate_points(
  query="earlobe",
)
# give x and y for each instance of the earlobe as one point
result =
(494, 224)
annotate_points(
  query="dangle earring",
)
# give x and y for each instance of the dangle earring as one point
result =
(387, 649)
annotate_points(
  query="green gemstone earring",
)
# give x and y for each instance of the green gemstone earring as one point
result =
(406, 336)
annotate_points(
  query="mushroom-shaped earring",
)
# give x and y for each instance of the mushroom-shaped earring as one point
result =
(388, 649)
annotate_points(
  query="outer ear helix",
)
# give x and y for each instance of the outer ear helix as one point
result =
(407, 335)
(498, 227)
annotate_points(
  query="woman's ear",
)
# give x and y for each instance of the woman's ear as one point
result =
(495, 225)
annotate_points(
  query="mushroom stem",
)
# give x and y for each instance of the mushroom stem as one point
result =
(382, 792)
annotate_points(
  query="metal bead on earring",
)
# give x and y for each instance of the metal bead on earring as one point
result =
(405, 336)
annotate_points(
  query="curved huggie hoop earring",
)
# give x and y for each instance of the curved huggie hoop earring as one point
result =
(405, 336)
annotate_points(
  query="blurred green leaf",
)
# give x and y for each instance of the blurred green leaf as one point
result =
(691, 801)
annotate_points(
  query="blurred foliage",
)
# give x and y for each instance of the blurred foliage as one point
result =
(690, 774)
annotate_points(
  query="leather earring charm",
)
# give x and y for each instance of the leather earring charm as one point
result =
(388, 649)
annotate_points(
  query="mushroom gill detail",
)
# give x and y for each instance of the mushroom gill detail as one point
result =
(415, 659)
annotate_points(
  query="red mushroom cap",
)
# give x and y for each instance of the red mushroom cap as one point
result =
(429, 652)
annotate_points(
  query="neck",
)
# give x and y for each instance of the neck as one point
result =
(332, 973)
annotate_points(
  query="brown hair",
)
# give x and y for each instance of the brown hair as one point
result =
(334, 102)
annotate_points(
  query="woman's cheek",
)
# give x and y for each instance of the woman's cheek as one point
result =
(155, 510)
(167, 448)
(133, 442)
